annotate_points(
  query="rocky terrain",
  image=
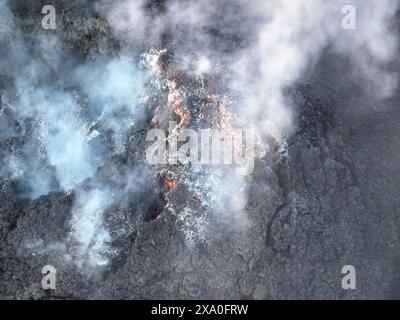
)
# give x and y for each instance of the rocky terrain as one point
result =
(332, 201)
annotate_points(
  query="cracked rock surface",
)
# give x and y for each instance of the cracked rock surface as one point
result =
(332, 202)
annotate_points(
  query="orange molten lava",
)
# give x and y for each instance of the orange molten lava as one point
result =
(169, 182)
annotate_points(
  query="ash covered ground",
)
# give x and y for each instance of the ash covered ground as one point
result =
(77, 191)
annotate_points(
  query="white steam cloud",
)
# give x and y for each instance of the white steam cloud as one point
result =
(70, 117)
(67, 109)
(278, 41)
(261, 48)
(87, 229)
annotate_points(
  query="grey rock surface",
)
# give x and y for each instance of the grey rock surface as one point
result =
(333, 202)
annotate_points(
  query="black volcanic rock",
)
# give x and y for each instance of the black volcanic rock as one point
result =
(332, 202)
